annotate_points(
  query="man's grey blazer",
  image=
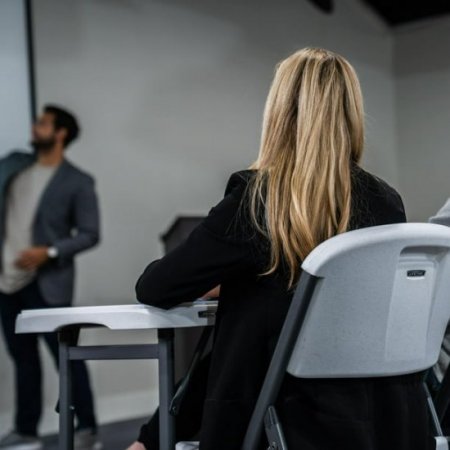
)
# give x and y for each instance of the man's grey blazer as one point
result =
(67, 217)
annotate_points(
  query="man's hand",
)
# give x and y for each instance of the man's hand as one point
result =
(136, 446)
(32, 258)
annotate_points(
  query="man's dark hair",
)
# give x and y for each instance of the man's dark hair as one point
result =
(64, 119)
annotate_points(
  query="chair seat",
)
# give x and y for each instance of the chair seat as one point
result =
(185, 445)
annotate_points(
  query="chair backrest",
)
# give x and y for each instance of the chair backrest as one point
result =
(381, 303)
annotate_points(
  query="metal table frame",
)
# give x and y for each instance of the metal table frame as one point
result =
(69, 351)
(38, 321)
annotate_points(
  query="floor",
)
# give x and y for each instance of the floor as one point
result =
(114, 436)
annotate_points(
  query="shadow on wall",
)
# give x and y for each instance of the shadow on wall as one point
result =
(431, 47)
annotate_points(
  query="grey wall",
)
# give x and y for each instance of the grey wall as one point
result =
(15, 108)
(170, 94)
(422, 74)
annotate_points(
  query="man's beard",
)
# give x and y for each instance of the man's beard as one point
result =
(43, 145)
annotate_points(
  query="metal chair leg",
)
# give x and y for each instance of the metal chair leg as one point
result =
(274, 432)
(433, 414)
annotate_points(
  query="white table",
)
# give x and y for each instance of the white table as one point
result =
(68, 322)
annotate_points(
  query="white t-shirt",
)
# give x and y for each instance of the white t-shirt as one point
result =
(22, 200)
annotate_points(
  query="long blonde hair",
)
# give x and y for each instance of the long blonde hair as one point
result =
(313, 128)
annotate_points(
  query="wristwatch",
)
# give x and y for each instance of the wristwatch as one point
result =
(52, 252)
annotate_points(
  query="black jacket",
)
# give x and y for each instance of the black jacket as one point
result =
(370, 414)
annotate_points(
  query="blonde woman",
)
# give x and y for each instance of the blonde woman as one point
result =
(305, 186)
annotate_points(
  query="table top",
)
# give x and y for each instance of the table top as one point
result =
(117, 317)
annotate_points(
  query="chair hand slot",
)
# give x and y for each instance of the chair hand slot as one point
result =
(207, 314)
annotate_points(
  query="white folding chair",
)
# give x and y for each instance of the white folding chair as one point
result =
(373, 302)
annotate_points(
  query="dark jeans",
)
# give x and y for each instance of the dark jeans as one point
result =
(23, 349)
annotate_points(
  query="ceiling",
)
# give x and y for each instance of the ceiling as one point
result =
(397, 12)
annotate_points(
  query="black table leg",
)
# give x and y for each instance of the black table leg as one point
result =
(67, 337)
(166, 389)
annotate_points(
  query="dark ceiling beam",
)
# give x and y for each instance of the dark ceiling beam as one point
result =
(324, 5)
(397, 12)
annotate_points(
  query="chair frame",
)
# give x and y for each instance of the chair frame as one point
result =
(264, 415)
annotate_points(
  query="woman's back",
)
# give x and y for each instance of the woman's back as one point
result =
(374, 414)
(305, 187)
(251, 313)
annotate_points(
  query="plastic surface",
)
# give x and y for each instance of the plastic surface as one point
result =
(381, 304)
(187, 446)
(117, 317)
(441, 443)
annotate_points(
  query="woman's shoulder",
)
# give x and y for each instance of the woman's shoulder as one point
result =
(371, 188)
(375, 184)
(225, 218)
(239, 181)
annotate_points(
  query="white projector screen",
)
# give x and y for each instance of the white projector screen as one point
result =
(15, 77)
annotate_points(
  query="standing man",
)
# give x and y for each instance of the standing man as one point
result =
(48, 214)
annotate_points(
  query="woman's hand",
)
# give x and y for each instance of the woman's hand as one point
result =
(136, 446)
(213, 293)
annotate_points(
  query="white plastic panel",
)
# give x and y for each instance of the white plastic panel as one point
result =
(187, 445)
(411, 304)
(381, 305)
(117, 317)
(441, 443)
